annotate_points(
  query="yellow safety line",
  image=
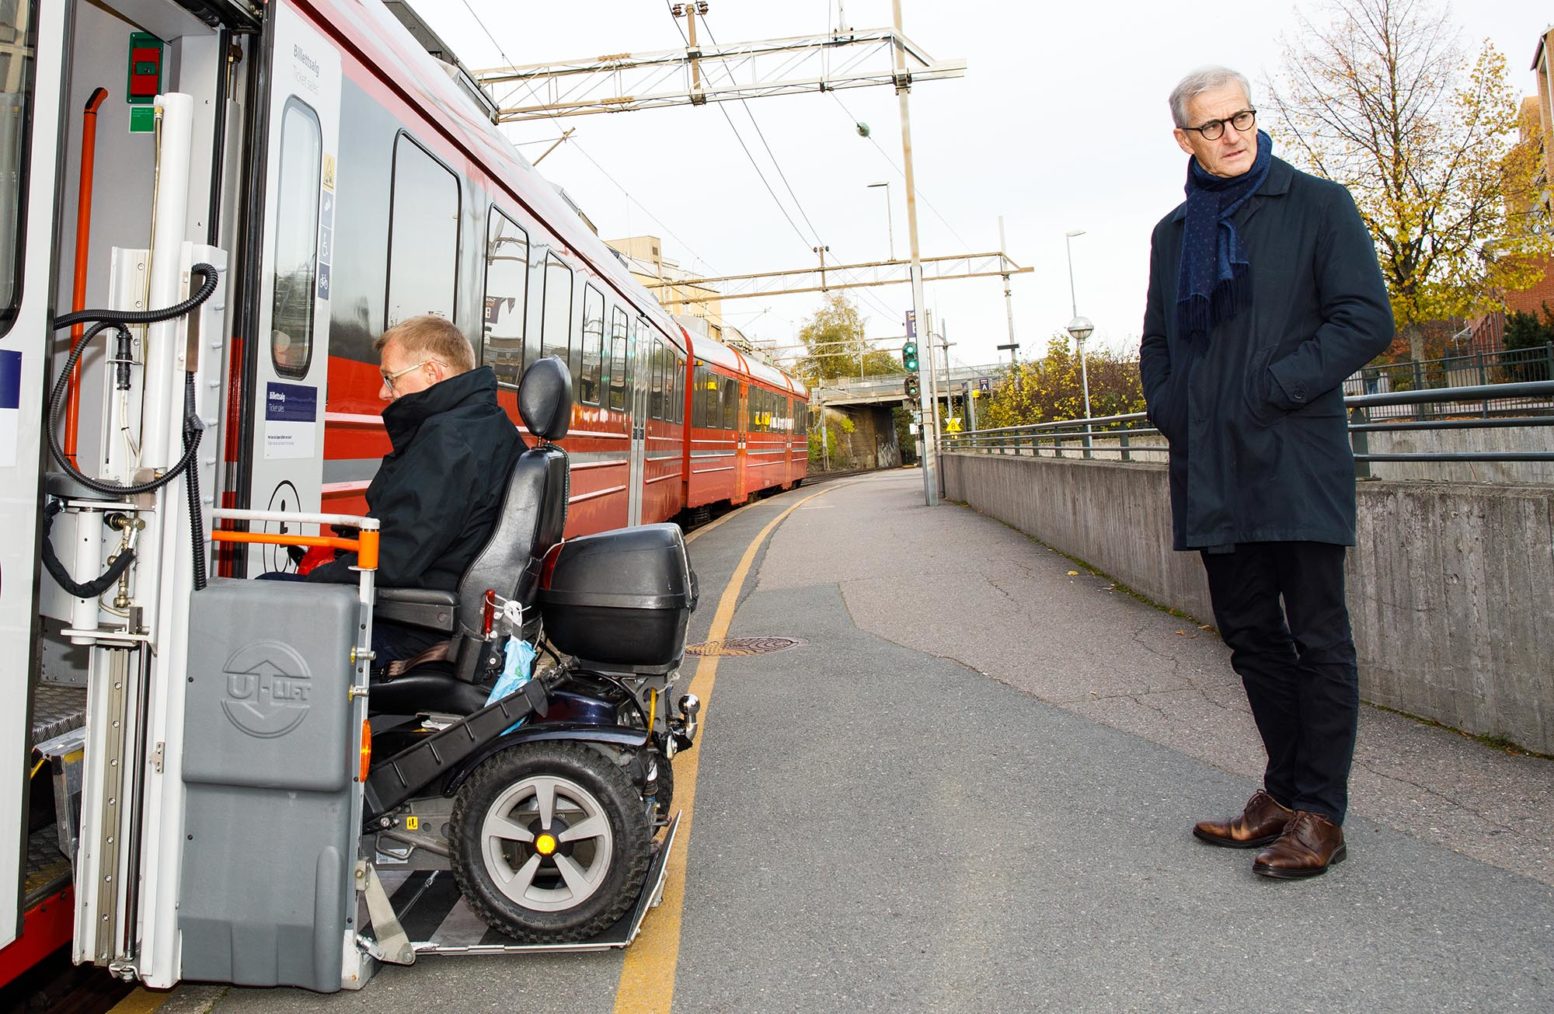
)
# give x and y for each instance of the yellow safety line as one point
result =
(647, 977)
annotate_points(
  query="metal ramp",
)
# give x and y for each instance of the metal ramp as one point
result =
(55, 711)
(437, 920)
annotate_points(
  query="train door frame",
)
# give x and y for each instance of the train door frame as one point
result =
(24, 352)
(286, 410)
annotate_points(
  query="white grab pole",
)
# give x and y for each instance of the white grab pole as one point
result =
(161, 441)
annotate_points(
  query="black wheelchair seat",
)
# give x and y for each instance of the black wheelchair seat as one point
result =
(531, 521)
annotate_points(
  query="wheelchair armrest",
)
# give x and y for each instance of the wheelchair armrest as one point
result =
(432, 608)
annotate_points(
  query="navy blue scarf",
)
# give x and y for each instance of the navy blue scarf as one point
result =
(1215, 282)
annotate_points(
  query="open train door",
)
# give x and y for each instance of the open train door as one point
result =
(31, 89)
(288, 358)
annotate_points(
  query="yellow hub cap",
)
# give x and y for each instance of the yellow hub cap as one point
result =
(545, 844)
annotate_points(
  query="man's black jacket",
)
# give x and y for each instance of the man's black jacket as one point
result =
(438, 492)
(1253, 410)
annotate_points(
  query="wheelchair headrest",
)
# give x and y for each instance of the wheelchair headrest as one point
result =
(545, 398)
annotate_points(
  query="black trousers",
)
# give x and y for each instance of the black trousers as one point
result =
(1280, 607)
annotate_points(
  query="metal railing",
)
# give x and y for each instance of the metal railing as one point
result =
(1130, 437)
(1477, 369)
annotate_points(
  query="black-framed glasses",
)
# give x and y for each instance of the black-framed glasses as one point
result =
(1212, 130)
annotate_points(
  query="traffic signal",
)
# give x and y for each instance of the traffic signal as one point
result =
(913, 387)
(909, 356)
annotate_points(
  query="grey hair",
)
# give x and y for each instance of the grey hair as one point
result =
(1199, 81)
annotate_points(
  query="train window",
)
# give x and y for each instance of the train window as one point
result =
(296, 240)
(706, 397)
(656, 392)
(670, 386)
(556, 326)
(728, 395)
(16, 68)
(679, 388)
(423, 235)
(588, 377)
(507, 287)
(618, 324)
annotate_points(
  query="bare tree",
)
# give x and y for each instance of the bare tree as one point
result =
(1382, 98)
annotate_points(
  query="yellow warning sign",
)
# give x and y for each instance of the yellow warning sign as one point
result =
(412, 823)
(329, 172)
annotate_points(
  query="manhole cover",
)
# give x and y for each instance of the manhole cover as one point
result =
(743, 646)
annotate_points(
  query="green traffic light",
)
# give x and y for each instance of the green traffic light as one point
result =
(909, 356)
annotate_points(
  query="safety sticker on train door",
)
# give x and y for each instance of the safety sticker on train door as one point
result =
(290, 421)
(10, 405)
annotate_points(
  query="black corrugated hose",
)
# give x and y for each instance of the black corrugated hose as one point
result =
(193, 427)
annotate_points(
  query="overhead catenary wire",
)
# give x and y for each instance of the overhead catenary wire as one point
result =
(581, 150)
(869, 296)
(902, 173)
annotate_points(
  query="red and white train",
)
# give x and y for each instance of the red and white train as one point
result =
(341, 179)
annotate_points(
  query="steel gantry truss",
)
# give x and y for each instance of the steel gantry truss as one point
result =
(623, 82)
(826, 277)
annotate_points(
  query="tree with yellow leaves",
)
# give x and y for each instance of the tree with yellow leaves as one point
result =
(835, 346)
(1050, 389)
(1382, 99)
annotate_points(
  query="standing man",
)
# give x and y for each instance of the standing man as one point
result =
(1264, 294)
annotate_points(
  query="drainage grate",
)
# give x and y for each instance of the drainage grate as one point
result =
(743, 646)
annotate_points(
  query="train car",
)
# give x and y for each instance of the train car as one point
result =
(747, 433)
(339, 179)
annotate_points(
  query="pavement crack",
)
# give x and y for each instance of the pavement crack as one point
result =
(1439, 795)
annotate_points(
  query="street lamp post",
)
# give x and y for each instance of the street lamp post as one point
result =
(1080, 328)
(890, 228)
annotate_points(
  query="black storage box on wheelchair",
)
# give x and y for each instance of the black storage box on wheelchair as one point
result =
(620, 599)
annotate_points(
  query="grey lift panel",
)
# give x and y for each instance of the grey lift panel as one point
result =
(269, 762)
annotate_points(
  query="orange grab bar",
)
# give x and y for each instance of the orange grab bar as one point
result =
(83, 244)
(365, 546)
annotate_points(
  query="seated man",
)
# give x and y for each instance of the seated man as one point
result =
(438, 492)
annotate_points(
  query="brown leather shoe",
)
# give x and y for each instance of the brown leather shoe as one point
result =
(1309, 845)
(1259, 824)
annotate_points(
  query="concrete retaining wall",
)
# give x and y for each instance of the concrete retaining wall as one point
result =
(1451, 586)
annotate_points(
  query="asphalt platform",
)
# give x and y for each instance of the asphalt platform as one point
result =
(970, 788)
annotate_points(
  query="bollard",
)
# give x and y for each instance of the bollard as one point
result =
(1122, 444)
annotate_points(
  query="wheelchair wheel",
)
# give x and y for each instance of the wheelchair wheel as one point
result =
(664, 799)
(549, 842)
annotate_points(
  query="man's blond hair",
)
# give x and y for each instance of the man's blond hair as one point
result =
(431, 337)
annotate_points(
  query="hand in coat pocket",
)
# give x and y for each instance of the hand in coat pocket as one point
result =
(1259, 383)
(1169, 411)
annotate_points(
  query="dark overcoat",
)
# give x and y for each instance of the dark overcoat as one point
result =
(1254, 410)
(438, 492)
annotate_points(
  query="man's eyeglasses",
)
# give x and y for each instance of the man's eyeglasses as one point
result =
(389, 378)
(1212, 130)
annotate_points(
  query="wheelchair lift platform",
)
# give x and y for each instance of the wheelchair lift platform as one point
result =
(437, 921)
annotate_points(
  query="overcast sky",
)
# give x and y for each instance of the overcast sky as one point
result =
(1060, 123)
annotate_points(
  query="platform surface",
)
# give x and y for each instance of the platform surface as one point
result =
(970, 788)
